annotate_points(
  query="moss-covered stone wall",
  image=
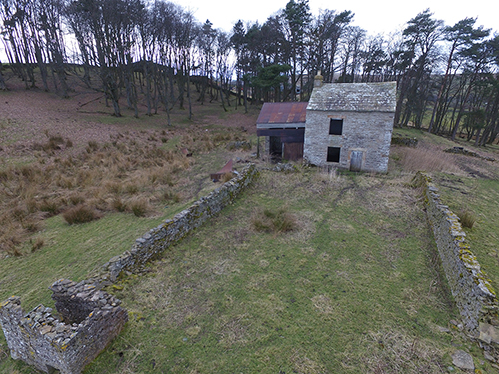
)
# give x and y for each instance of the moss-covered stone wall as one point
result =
(88, 317)
(470, 286)
(170, 231)
(88, 320)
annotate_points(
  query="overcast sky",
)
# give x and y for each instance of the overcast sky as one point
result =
(375, 16)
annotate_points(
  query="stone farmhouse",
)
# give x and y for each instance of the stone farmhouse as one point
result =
(347, 125)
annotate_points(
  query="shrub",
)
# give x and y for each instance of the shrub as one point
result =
(467, 218)
(80, 214)
(118, 204)
(273, 221)
(139, 207)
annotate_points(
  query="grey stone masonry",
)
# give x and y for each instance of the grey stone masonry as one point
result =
(366, 112)
(89, 319)
(470, 286)
(171, 231)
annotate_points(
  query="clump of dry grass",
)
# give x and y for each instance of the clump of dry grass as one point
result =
(397, 352)
(80, 214)
(467, 218)
(172, 196)
(227, 177)
(37, 244)
(275, 221)
(118, 204)
(426, 157)
(139, 207)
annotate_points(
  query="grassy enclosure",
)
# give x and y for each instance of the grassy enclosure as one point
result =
(311, 271)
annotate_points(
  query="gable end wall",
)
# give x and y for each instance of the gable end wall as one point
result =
(369, 132)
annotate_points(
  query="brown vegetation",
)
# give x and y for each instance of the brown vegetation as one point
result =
(57, 158)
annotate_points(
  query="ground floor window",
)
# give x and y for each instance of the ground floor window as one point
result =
(333, 154)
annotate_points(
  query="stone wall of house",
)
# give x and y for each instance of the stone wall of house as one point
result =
(470, 286)
(170, 231)
(89, 319)
(368, 132)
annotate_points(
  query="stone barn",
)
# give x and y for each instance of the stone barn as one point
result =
(283, 126)
(349, 125)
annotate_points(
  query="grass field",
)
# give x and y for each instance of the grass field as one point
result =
(307, 272)
(353, 288)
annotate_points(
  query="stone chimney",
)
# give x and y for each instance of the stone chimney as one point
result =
(318, 80)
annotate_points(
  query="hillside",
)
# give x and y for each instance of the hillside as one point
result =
(309, 271)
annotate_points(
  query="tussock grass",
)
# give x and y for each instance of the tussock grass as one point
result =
(120, 175)
(80, 214)
(275, 221)
(139, 207)
(467, 218)
(227, 177)
(426, 157)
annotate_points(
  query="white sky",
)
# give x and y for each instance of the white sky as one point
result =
(375, 16)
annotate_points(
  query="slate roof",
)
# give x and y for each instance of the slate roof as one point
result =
(282, 113)
(354, 97)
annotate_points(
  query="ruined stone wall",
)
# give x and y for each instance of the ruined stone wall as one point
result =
(89, 319)
(367, 132)
(470, 286)
(170, 231)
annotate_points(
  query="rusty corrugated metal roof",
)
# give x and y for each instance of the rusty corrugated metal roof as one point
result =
(289, 112)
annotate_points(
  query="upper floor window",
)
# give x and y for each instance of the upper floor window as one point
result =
(335, 126)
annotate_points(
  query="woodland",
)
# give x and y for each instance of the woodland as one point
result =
(137, 51)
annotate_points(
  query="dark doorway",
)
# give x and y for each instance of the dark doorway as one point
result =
(275, 148)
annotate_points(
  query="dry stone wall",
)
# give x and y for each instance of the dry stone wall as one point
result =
(89, 319)
(470, 286)
(170, 231)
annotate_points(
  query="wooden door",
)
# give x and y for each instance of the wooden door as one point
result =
(356, 160)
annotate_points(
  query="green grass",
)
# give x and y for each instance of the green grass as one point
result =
(481, 198)
(71, 251)
(353, 289)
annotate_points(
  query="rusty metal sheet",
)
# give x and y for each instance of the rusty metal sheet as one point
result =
(289, 112)
(286, 135)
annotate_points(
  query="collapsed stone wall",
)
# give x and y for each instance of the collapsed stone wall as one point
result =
(170, 231)
(470, 286)
(89, 320)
